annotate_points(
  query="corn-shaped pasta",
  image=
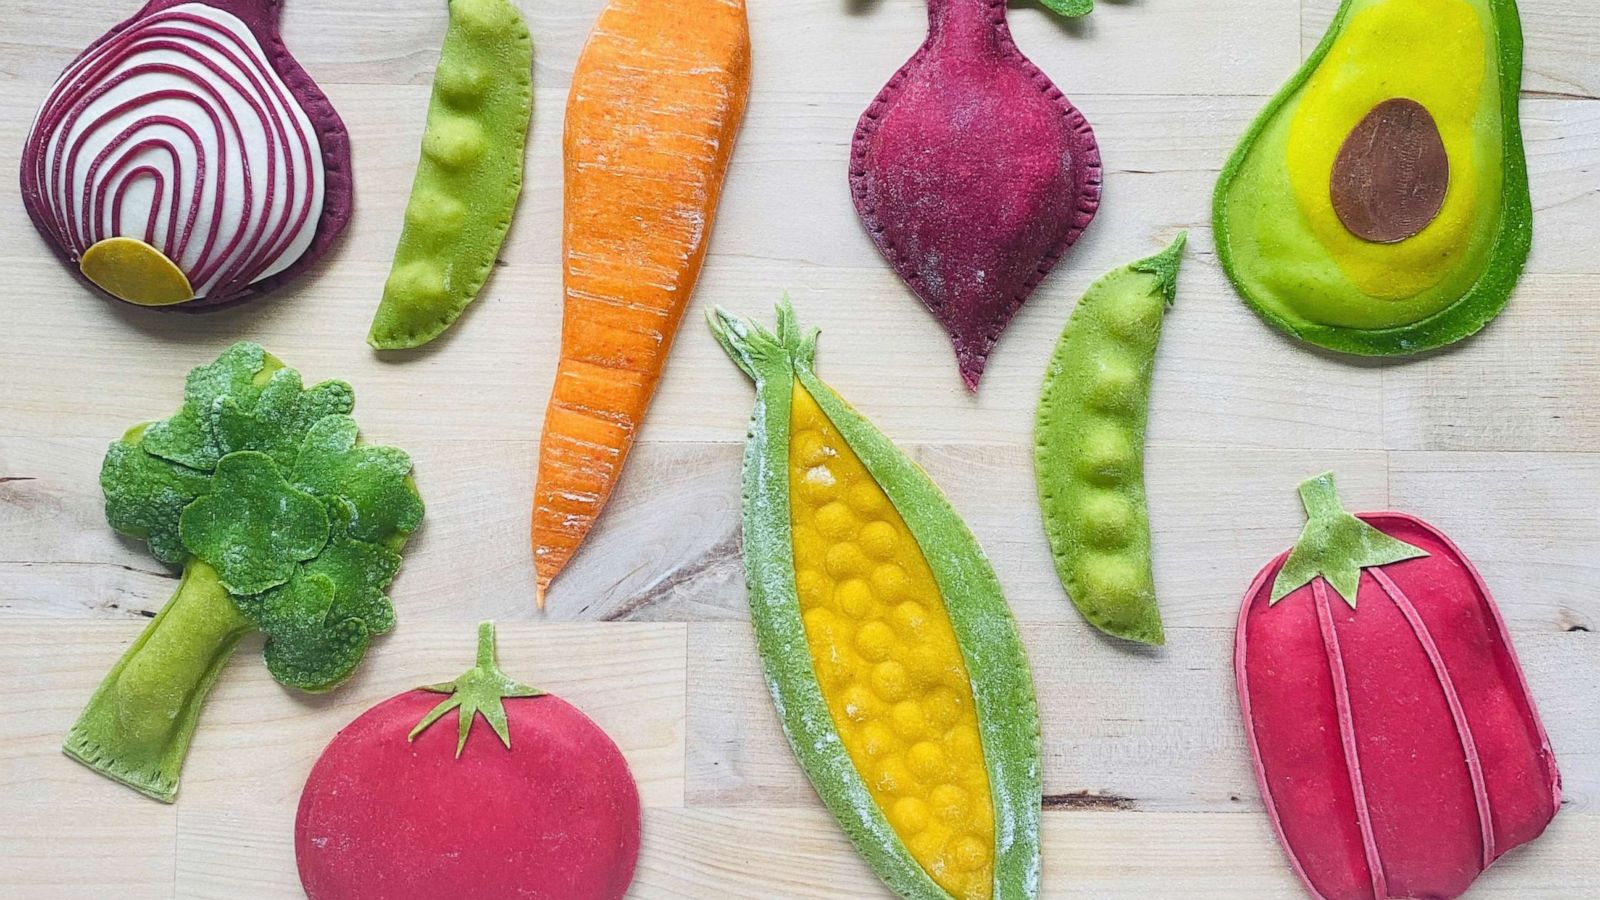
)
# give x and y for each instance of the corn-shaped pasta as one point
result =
(890, 653)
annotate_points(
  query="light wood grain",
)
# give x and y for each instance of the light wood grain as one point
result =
(1171, 755)
(1497, 441)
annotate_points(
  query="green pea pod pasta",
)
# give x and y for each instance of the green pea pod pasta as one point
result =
(1089, 446)
(890, 653)
(469, 177)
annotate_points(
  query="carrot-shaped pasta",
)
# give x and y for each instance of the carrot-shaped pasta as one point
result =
(656, 102)
(889, 651)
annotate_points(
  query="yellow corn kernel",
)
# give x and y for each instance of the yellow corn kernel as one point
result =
(887, 658)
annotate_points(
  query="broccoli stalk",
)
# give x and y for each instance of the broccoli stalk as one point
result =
(282, 523)
(137, 727)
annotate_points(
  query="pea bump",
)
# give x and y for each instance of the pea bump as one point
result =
(1089, 446)
(468, 178)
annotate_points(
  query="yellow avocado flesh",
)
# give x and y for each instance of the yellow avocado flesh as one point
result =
(131, 270)
(1287, 241)
(887, 659)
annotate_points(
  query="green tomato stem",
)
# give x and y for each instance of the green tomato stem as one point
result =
(486, 652)
(480, 690)
(138, 725)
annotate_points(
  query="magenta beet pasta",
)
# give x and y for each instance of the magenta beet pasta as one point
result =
(185, 158)
(973, 174)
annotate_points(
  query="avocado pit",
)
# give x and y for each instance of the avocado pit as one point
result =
(1391, 175)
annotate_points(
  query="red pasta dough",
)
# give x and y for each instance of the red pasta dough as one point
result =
(1396, 745)
(498, 790)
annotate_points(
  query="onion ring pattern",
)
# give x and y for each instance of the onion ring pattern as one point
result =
(178, 132)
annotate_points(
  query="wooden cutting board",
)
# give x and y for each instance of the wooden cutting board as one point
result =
(1150, 794)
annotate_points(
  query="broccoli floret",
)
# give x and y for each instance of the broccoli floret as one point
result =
(282, 523)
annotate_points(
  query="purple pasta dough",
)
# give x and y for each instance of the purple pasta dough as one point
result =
(973, 174)
(185, 160)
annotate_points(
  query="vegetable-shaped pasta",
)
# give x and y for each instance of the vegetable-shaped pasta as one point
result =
(656, 101)
(283, 523)
(469, 177)
(498, 790)
(973, 174)
(890, 653)
(1089, 446)
(186, 160)
(1396, 745)
(1379, 205)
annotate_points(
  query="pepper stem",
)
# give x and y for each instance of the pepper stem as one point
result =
(1321, 498)
(481, 689)
(1335, 545)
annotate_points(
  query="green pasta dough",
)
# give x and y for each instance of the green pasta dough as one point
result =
(469, 176)
(1069, 7)
(890, 653)
(1379, 205)
(283, 523)
(1089, 446)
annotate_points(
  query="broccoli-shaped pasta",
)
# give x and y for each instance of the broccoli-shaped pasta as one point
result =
(282, 523)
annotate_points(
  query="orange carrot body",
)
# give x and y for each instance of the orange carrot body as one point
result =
(656, 101)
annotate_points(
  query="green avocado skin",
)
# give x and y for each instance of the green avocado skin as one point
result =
(1488, 295)
(1002, 683)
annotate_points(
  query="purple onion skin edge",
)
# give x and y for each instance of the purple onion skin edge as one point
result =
(972, 350)
(261, 17)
